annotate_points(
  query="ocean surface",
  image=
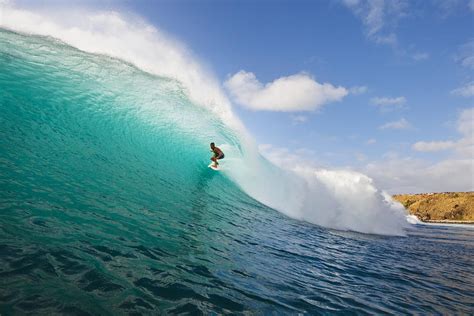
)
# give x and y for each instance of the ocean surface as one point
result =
(107, 207)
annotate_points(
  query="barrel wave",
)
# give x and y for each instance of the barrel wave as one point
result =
(108, 206)
(146, 90)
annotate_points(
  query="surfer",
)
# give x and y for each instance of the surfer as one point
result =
(218, 154)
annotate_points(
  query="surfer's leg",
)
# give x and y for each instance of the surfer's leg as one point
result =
(217, 158)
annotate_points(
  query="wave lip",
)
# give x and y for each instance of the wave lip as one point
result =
(127, 38)
(336, 199)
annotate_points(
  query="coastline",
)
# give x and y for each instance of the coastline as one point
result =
(448, 222)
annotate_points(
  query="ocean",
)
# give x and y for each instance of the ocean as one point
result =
(108, 206)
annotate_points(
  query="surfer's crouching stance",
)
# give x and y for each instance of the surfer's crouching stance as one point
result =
(218, 154)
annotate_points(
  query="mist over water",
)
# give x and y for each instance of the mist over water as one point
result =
(107, 204)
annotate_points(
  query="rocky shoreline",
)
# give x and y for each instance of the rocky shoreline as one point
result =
(449, 222)
(446, 207)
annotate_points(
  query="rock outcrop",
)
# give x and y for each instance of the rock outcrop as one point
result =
(448, 206)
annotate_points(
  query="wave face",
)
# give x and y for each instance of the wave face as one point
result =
(183, 96)
(107, 204)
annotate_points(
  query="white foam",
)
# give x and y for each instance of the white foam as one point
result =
(337, 199)
(130, 39)
(413, 219)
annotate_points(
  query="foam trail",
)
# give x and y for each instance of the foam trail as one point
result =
(337, 199)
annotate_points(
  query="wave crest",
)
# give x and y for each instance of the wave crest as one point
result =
(336, 199)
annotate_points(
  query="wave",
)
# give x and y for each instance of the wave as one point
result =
(164, 108)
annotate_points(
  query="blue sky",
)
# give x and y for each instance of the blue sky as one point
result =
(325, 39)
(343, 43)
(399, 75)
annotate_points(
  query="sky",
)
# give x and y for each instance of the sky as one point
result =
(381, 87)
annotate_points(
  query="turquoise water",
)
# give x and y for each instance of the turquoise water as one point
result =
(108, 207)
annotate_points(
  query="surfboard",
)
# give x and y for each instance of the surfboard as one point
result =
(213, 168)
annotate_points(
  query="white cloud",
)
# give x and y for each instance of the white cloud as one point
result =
(393, 173)
(287, 159)
(466, 122)
(465, 55)
(420, 56)
(468, 61)
(379, 17)
(351, 3)
(464, 147)
(400, 124)
(388, 102)
(356, 90)
(465, 91)
(361, 157)
(371, 141)
(448, 7)
(433, 146)
(398, 174)
(298, 92)
(407, 175)
(298, 119)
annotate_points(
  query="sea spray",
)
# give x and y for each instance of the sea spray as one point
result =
(107, 207)
(184, 109)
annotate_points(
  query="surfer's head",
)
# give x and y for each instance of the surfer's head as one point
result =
(213, 145)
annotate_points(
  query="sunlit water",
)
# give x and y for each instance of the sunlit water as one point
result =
(108, 207)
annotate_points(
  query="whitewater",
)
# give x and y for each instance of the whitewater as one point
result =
(107, 204)
(337, 199)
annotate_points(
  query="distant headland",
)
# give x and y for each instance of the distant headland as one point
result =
(447, 207)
